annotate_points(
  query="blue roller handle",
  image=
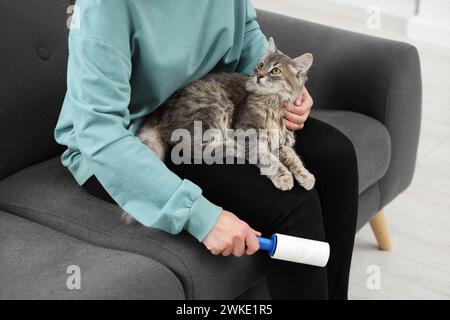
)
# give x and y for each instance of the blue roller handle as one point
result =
(268, 244)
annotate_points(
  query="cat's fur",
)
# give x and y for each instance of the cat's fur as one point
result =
(223, 101)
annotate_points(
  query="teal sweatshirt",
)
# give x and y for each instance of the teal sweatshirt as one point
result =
(126, 57)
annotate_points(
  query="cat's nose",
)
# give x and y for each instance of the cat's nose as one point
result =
(259, 77)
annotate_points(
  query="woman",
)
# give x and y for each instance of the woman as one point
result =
(126, 58)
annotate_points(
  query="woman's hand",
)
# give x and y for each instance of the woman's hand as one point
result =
(230, 235)
(295, 116)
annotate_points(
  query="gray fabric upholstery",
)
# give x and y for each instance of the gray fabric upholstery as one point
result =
(370, 139)
(47, 194)
(33, 63)
(376, 77)
(369, 203)
(34, 262)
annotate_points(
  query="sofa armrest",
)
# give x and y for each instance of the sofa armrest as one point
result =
(376, 77)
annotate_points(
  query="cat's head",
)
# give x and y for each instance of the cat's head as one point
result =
(278, 74)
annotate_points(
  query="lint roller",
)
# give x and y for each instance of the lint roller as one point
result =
(300, 250)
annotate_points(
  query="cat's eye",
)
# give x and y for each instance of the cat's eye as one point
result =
(260, 66)
(275, 71)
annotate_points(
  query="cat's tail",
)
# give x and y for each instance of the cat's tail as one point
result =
(150, 135)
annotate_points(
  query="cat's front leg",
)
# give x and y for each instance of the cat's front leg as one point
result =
(292, 161)
(271, 167)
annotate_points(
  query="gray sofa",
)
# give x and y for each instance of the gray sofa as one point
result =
(368, 88)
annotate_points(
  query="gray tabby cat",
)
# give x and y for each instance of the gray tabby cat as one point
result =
(230, 100)
(223, 101)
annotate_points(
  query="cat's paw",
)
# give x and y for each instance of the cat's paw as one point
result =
(283, 181)
(128, 219)
(307, 181)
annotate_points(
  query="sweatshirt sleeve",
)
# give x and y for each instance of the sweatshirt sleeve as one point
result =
(99, 94)
(255, 43)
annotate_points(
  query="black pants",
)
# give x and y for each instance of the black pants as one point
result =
(326, 213)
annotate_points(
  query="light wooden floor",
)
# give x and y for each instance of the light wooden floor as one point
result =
(419, 265)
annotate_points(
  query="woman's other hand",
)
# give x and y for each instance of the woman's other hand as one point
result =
(296, 115)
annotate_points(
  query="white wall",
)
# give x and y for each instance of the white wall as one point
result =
(346, 14)
(432, 24)
(437, 10)
(398, 8)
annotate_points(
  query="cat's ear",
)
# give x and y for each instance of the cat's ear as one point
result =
(272, 46)
(304, 62)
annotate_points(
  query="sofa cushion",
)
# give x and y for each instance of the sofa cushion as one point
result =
(46, 193)
(36, 264)
(369, 137)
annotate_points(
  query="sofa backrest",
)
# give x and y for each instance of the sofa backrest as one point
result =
(33, 62)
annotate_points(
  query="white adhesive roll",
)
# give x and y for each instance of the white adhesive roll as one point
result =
(312, 252)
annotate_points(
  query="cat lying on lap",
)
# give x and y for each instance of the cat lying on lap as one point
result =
(226, 101)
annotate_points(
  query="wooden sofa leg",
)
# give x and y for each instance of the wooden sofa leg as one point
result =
(380, 230)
